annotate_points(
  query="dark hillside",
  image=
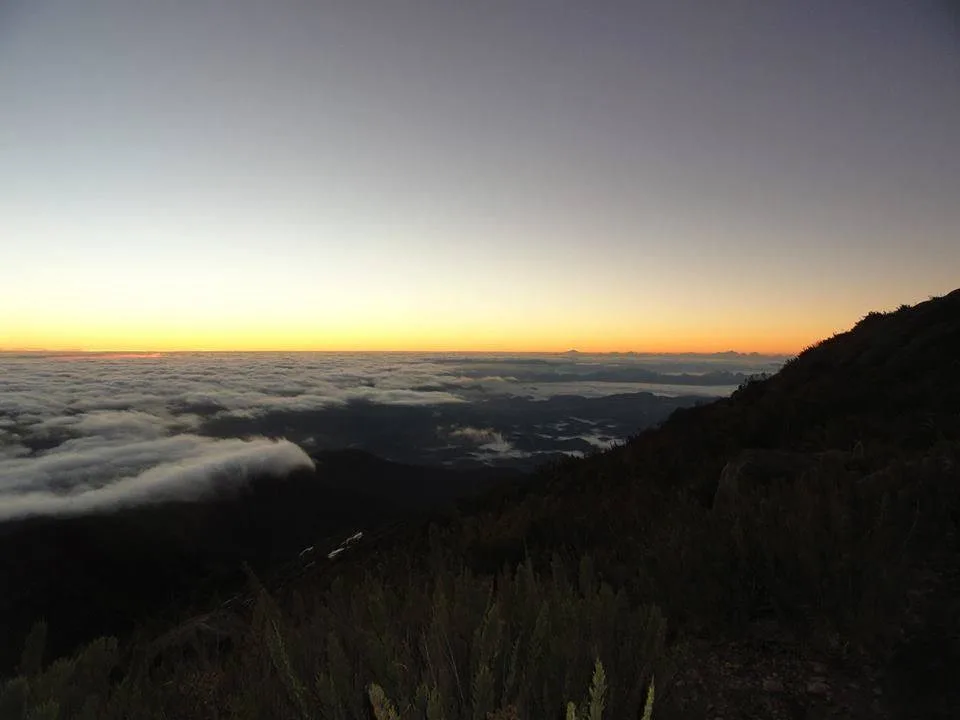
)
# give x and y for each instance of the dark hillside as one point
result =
(856, 435)
(104, 573)
(789, 552)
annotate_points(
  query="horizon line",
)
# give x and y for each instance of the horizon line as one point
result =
(572, 351)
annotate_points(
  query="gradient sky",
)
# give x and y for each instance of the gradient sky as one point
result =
(505, 174)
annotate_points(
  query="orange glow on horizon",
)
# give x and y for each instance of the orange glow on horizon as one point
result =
(145, 343)
(380, 330)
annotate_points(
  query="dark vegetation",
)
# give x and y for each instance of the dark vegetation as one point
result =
(788, 552)
(104, 573)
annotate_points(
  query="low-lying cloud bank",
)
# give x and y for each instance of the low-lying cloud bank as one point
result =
(86, 433)
(97, 474)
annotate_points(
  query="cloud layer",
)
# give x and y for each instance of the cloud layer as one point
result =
(85, 432)
(88, 475)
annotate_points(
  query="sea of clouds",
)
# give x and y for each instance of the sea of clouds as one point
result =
(85, 432)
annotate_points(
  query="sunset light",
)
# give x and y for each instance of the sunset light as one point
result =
(297, 176)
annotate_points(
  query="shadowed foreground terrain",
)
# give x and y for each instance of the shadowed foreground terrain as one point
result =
(104, 572)
(789, 552)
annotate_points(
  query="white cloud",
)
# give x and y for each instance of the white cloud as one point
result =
(110, 424)
(489, 443)
(599, 441)
(95, 474)
(477, 436)
(110, 430)
(401, 397)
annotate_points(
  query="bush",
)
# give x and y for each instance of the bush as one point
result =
(76, 687)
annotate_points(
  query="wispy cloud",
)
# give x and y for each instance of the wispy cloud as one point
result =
(98, 474)
(477, 436)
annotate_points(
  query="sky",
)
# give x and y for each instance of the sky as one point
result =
(498, 175)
